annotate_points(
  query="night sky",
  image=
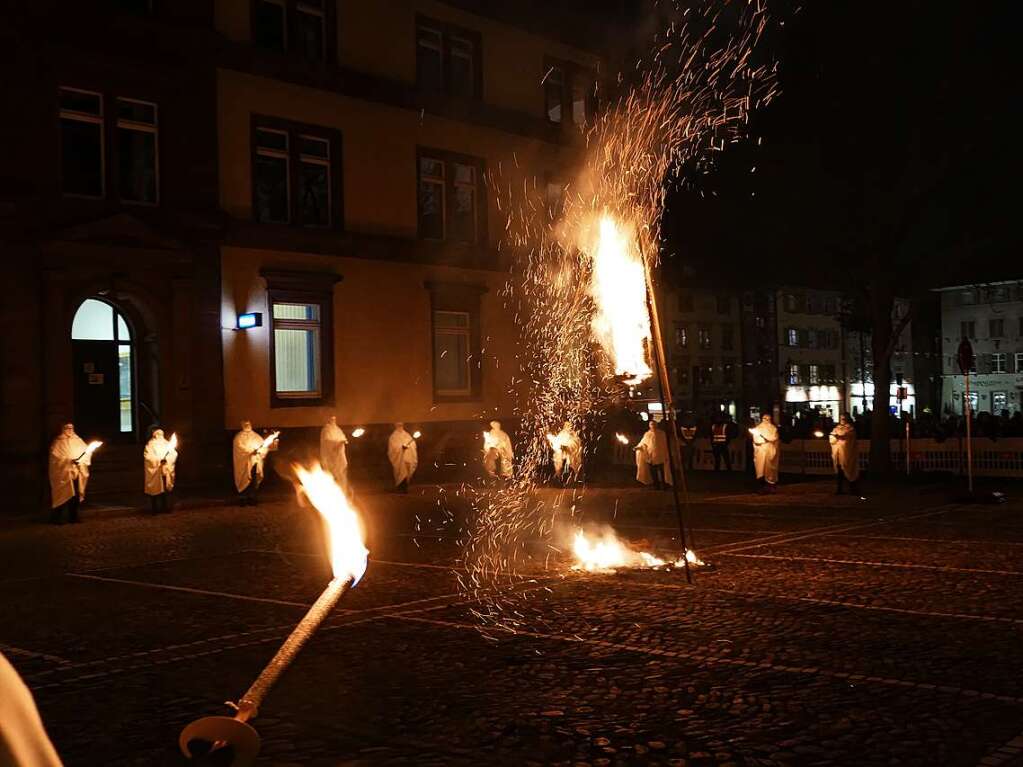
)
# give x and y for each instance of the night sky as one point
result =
(893, 124)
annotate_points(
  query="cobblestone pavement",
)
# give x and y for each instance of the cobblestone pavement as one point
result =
(828, 630)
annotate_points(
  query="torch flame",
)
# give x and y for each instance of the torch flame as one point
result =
(622, 438)
(173, 441)
(818, 433)
(269, 440)
(488, 441)
(417, 434)
(621, 323)
(358, 432)
(92, 447)
(348, 553)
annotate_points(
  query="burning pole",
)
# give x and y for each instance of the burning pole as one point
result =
(348, 556)
(667, 407)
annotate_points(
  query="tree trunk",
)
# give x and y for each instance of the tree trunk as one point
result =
(882, 303)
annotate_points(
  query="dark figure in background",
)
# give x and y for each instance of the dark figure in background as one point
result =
(689, 442)
(719, 443)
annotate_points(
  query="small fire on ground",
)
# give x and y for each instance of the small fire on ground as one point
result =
(605, 552)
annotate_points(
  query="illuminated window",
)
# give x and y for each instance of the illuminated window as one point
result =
(1019, 362)
(814, 375)
(793, 336)
(296, 350)
(81, 143)
(793, 375)
(138, 166)
(999, 402)
(681, 336)
(703, 337)
(94, 321)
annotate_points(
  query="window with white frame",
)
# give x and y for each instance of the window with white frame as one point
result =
(81, 142)
(998, 362)
(452, 356)
(793, 375)
(814, 375)
(297, 350)
(272, 182)
(1019, 362)
(999, 402)
(451, 199)
(432, 193)
(793, 336)
(137, 151)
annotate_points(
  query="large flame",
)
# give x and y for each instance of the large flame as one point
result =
(621, 322)
(92, 447)
(622, 438)
(348, 553)
(604, 552)
(173, 441)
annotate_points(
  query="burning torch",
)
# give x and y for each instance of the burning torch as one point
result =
(348, 559)
(91, 448)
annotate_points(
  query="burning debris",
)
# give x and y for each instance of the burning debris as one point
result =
(605, 552)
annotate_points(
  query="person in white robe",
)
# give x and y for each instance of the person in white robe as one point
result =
(249, 456)
(403, 455)
(567, 451)
(334, 452)
(766, 452)
(159, 460)
(652, 464)
(498, 456)
(69, 474)
(845, 455)
(23, 739)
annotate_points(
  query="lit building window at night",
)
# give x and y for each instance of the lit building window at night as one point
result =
(296, 350)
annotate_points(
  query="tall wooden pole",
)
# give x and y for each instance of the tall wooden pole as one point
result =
(668, 410)
(969, 435)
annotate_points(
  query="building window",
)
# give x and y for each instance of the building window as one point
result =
(272, 177)
(450, 197)
(967, 297)
(682, 372)
(1019, 330)
(294, 174)
(685, 301)
(301, 337)
(813, 337)
(703, 336)
(681, 336)
(789, 302)
(999, 402)
(452, 359)
(728, 371)
(270, 24)
(137, 151)
(554, 93)
(827, 373)
(793, 336)
(447, 59)
(297, 350)
(814, 375)
(455, 313)
(81, 142)
(724, 305)
(302, 26)
(310, 28)
(705, 371)
(996, 328)
(1019, 362)
(998, 362)
(830, 305)
(793, 375)
(967, 329)
(727, 336)
(569, 90)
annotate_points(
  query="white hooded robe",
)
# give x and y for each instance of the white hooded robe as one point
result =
(567, 449)
(403, 455)
(23, 740)
(766, 455)
(63, 471)
(652, 449)
(497, 446)
(334, 454)
(248, 452)
(159, 477)
(844, 451)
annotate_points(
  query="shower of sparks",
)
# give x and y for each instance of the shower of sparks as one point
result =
(691, 97)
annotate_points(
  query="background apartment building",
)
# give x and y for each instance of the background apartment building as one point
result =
(811, 353)
(991, 317)
(702, 335)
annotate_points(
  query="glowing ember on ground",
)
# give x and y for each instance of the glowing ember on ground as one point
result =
(348, 552)
(621, 322)
(605, 552)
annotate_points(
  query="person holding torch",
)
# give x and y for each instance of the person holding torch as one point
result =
(845, 455)
(334, 451)
(249, 454)
(766, 455)
(403, 455)
(160, 458)
(498, 455)
(567, 451)
(70, 459)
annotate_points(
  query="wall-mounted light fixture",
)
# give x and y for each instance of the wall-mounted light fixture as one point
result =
(250, 320)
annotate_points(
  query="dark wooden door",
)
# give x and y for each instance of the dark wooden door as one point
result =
(97, 390)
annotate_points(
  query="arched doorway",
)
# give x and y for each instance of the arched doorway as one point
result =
(103, 355)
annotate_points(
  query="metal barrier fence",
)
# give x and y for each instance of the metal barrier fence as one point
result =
(991, 458)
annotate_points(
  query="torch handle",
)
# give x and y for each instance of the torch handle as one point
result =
(248, 705)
